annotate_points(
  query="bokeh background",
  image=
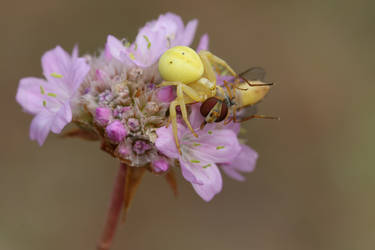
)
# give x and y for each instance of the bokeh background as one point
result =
(314, 184)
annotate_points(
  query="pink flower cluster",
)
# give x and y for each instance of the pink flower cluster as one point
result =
(114, 96)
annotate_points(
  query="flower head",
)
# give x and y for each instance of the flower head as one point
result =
(50, 99)
(113, 97)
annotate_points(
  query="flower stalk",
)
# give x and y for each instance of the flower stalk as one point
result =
(115, 208)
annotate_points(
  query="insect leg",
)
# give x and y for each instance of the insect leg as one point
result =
(234, 113)
(254, 85)
(258, 117)
(226, 85)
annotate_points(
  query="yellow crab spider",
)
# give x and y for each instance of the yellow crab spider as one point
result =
(194, 77)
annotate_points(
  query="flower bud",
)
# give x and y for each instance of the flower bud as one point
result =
(116, 131)
(141, 146)
(122, 150)
(103, 116)
(133, 124)
(160, 165)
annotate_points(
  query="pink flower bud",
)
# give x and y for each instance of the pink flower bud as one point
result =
(123, 150)
(116, 131)
(133, 124)
(160, 165)
(103, 116)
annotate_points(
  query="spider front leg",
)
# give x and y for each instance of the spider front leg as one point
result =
(166, 83)
(181, 102)
(173, 118)
(209, 58)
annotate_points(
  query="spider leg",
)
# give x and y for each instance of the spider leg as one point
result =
(168, 122)
(214, 59)
(208, 69)
(166, 83)
(181, 102)
(192, 93)
(173, 117)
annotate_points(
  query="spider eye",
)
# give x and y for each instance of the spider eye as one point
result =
(208, 105)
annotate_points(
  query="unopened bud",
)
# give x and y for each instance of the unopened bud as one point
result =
(116, 131)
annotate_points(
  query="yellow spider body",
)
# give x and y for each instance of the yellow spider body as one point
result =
(181, 64)
(194, 77)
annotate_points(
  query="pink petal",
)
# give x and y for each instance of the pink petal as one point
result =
(196, 117)
(171, 19)
(189, 32)
(165, 142)
(72, 69)
(29, 94)
(212, 182)
(245, 161)
(219, 145)
(75, 52)
(231, 172)
(166, 94)
(114, 47)
(203, 43)
(55, 61)
(234, 126)
(40, 127)
(61, 118)
(188, 171)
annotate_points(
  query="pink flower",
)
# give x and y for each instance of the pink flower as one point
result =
(152, 40)
(201, 155)
(49, 100)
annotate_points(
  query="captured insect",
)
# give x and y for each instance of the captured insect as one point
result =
(243, 92)
(194, 77)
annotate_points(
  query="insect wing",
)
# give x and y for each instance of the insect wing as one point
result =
(247, 111)
(254, 74)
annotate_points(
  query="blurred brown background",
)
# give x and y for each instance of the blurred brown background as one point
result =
(314, 183)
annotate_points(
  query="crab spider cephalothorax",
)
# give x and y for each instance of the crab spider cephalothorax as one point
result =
(194, 77)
